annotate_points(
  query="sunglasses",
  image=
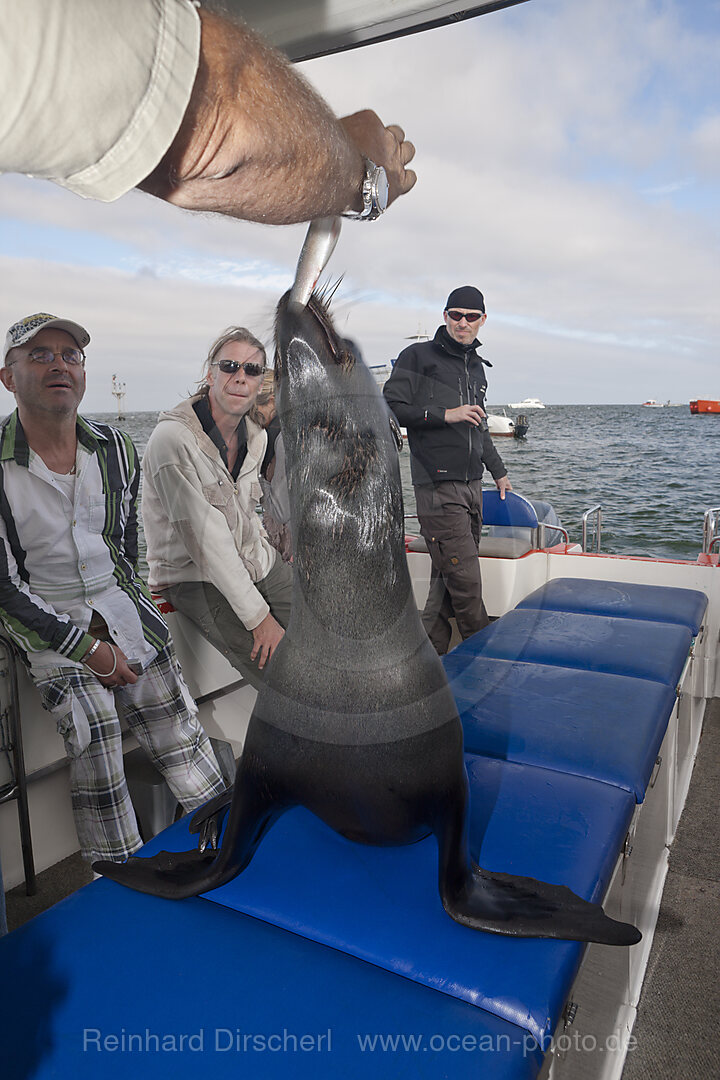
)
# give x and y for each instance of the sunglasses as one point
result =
(468, 316)
(231, 366)
(72, 357)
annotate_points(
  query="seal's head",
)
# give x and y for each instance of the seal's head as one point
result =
(340, 457)
(310, 354)
(323, 385)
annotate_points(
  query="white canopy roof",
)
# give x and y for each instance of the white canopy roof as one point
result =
(306, 28)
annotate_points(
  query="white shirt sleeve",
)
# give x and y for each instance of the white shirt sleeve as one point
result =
(93, 91)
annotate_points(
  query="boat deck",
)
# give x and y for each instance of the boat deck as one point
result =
(554, 667)
(675, 1034)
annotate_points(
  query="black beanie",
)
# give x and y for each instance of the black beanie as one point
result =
(466, 297)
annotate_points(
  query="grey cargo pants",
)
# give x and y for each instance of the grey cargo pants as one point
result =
(450, 518)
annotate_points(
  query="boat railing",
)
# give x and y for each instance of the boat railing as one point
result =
(597, 511)
(711, 529)
(11, 744)
(538, 535)
(543, 530)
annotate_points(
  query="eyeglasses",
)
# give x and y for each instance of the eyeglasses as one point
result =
(469, 316)
(231, 366)
(72, 357)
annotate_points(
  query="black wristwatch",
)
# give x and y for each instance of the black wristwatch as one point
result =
(374, 193)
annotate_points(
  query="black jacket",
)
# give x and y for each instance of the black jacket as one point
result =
(427, 379)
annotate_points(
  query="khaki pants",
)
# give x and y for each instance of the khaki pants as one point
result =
(206, 606)
(450, 517)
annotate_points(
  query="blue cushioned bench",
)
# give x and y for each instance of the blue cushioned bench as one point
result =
(619, 646)
(563, 711)
(110, 963)
(382, 904)
(621, 599)
(603, 726)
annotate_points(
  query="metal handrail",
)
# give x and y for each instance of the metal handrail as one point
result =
(19, 792)
(711, 533)
(542, 529)
(597, 510)
(537, 535)
(713, 542)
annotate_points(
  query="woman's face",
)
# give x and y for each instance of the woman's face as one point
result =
(232, 393)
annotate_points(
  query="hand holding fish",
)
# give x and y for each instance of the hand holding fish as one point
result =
(386, 146)
(257, 142)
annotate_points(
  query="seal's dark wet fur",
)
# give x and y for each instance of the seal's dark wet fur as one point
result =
(356, 721)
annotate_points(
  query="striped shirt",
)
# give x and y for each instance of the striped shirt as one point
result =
(66, 553)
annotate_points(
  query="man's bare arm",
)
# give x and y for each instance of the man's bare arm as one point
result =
(258, 143)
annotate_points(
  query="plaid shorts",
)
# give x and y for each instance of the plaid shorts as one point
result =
(162, 716)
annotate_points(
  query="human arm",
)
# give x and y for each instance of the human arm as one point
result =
(109, 664)
(471, 414)
(94, 91)
(257, 142)
(30, 621)
(194, 108)
(266, 638)
(36, 627)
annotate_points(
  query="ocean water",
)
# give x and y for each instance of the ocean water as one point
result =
(653, 471)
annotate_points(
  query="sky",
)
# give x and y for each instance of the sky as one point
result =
(568, 160)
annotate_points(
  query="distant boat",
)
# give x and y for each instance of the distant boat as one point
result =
(704, 405)
(528, 403)
(501, 425)
(651, 403)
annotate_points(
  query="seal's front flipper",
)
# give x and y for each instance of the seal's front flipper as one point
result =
(174, 875)
(209, 818)
(524, 907)
(177, 875)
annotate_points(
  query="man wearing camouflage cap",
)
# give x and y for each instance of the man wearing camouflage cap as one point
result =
(70, 596)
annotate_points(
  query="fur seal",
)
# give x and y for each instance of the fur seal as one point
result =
(356, 721)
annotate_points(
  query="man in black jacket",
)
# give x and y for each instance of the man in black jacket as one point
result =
(437, 391)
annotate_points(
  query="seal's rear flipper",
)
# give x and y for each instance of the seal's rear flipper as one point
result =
(524, 907)
(174, 875)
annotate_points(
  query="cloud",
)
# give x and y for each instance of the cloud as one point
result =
(705, 143)
(548, 139)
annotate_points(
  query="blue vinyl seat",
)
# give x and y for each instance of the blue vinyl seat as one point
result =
(382, 905)
(603, 726)
(619, 646)
(513, 510)
(110, 964)
(620, 599)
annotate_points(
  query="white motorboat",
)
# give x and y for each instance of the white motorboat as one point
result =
(278, 986)
(528, 403)
(503, 426)
(515, 573)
